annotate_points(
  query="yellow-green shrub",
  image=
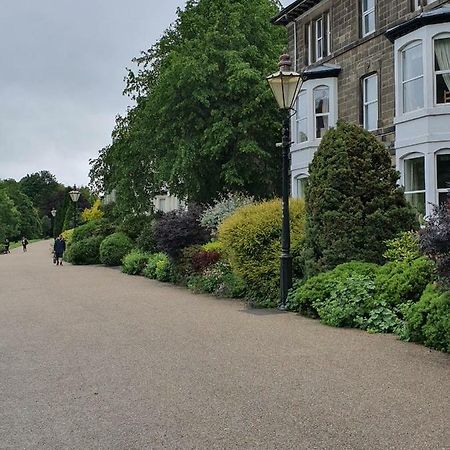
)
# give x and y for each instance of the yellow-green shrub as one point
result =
(67, 236)
(93, 213)
(214, 246)
(251, 239)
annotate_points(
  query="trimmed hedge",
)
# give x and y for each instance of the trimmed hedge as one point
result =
(251, 241)
(134, 263)
(86, 251)
(100, 227)
(113, 249)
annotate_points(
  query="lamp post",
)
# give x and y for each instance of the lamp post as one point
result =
(53, 215)
(74, 196)
(285, 85)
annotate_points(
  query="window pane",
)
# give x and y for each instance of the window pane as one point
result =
(415, 174)
(442, 54)
(302, 131)
(371, 116)
(370, 89)
(443, 171)
(368, 4)
(413, 95)
(301, 105)
(444, 198)
(301, 185)
(369, 22)
(321, 126)
(321, 100)
(443, 88)
(412, 62)
(418, 201)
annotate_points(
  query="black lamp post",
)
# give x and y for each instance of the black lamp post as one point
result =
(74, 196)
(53, 215)
(285, 85)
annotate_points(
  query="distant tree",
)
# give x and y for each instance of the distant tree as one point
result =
(9, 217)
(205, 122)
(29, 222)
(353, 202)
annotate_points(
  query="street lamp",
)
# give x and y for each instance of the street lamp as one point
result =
(285, 85)
(53, 213)
(74, 196)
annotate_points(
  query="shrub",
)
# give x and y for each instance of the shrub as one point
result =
(403, 281)
(251, 239)
(435, 241)
(159, 267)
(428, 320)
(201, 260)
(184, 261)
(113, 249)
(133, 224)
(218, 280)
(67, 236)
(353, 201)
(146, 239)
(93, 213)
(85, 251)
(317, 290)
(101, 227)
(179, 229)
(222, 208)
(214, 246)
(404, 247)
(135, 262)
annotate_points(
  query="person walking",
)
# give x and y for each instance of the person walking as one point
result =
(24, 243)
(7, 246)
(59, 248)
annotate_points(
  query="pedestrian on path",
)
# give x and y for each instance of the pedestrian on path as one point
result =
(24, 243)
(7, 246)
(59, 248)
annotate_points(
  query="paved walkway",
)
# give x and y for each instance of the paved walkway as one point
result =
(94, 359)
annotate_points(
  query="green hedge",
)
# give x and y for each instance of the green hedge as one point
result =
(85, 251)
(100, 227)
(114, 248)
(134, 263)
(159, 268)
(251, 242)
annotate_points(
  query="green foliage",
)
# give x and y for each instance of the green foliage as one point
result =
(403, 281)
(203, 107)
(84, 251)
(133, 224)
(251, 240)
(404, 247)
(146, 238)
(307, 296)
(134, 263)
(218, 280)
(9, 217)
(100, 227)
(428, 320)
(353, 201)
(159, 267)
(222, 208)
(214, 246)
(93, 213)
(113, 249)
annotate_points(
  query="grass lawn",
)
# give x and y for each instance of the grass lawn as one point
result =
(19, 244)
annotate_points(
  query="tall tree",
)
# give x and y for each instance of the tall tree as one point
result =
(9, 217)
(205, 121)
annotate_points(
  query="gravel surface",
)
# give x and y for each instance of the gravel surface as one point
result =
(91, 358)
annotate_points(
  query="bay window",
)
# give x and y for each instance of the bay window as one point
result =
(321, 110)
(442, 68)
(412, 77)
(302, 117)
(414, 181)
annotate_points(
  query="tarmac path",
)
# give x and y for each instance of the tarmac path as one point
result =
(91, 358)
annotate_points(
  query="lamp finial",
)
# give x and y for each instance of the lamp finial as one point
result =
(285, 63)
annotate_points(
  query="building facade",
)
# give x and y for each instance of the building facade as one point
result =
(384, 64)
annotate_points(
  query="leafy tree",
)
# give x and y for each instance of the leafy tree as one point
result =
(93, 213)
(29, 222)
(205, 121)
(9, 217)
(353, 202)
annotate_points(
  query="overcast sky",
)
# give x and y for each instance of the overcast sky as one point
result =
(62, 64)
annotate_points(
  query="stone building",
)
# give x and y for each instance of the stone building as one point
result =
(384, 64)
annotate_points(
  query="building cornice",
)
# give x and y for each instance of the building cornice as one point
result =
(292, 11)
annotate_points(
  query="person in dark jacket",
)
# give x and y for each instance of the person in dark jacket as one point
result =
(7, 245)
(59, 248)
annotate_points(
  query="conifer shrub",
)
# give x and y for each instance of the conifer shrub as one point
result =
(403, 247)
(135, 262)
(179, 229)
(84, 251)
(251, 239)
(113, 249)
(353, 202)
(428, 320)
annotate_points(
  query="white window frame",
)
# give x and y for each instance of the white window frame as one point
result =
(316, 115)
(299, 119)
(436, 155)
(318, 24)
(299, 179)
(403, 82)
(438, 72)
(364, 14)
(420, 191)
(367, 103)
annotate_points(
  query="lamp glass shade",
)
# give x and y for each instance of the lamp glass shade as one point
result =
(74, 195)
(285, 87)
(53, 212)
